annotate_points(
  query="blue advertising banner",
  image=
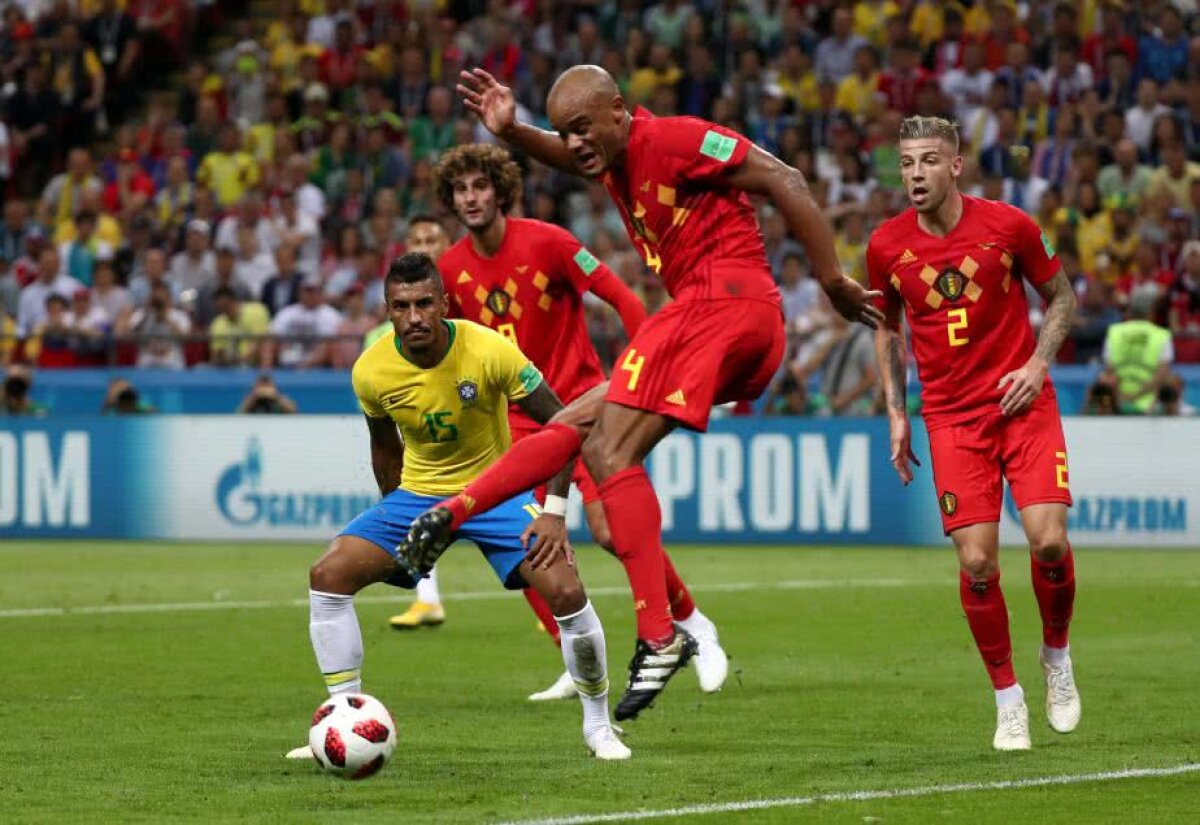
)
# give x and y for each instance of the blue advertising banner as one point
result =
(748, 480)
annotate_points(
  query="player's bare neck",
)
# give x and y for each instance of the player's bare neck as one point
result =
(487, 242)
(941, 222)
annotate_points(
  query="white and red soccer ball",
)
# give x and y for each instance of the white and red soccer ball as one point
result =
(352, 735)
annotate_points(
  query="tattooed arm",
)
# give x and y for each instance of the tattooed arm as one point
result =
(1025, 384)
(892, 354)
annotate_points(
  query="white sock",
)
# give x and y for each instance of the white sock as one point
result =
(583, 651)
(427, 589)
(336, 639)
(1010, 696)
(697, 623)
(1056, 656)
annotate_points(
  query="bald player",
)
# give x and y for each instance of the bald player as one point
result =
(682, 186)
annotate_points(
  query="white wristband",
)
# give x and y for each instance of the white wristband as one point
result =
(555, 506)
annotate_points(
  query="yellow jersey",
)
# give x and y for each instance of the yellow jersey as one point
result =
(453, 417)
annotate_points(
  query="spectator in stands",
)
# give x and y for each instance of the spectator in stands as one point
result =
(356, 323)
(1139, 120)
(282, 289)
(91, 325)
(265, 398)
(18, 381)
(1125, 175)
(1089, 327)
(50, 345)
(1163, 55)
(239, 329)
(309, 198)
(158, 328)
(1184, 293)
(61, 197)
(255, 266)
(800, 293)
(1137, 358)
(32, 112)
(78, 79)
(107, 294)
(788, 396)
(1175, 176)
(195, 268)
(835, 54)
(844, 355)
(299, 231)
(433, 132)
(229, 171)
(300, 330)
(154, 272)
(79, 254)
(31, 309)
(204, 310)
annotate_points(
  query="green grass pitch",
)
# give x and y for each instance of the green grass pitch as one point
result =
(854, 672)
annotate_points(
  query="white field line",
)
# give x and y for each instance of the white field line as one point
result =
(863, 796)
(468, 596)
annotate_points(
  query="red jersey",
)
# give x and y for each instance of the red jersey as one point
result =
(697, 233)
(964, 300)
(531, 291)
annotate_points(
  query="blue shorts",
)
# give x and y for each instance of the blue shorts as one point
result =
(497, 532)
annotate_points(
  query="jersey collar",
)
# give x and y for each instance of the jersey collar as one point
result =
(400, 347)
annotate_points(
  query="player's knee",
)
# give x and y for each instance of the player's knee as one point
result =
(1049, 546)
(328, 574)
(565, 595)
(977, 562)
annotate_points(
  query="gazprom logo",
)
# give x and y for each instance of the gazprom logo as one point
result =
(1120, 514)
(244, 501)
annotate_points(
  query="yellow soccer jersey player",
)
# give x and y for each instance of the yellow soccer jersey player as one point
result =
(453, 417)
(436, 394)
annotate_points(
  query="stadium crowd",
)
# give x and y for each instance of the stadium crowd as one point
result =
(247, 216)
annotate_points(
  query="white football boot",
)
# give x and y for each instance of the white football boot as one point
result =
(604, 744)
(304, 753)
(1012, 728)
(563, 688)
(712, 665)
(1062, 697)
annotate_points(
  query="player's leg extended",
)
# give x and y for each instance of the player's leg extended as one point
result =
(426, 611)
(1053, 569)
(533, 460)
(614, 454)
(712, 664)
(348, 565)
(978, 547)
(583, 650)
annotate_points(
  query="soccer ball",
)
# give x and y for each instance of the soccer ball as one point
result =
(352, 735)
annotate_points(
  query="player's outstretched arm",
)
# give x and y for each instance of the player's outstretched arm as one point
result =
(1025, 384)
(496, 108)
(891, 352)
(387, 453)
(612, 290)
(764, 174)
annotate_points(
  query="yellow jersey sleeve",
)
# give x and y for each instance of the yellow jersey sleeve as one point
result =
(364, 390)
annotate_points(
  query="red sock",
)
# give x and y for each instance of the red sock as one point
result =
(987, 616)
(533, 460)
(635, 522)
(682, 605)
(1054, 586)
(543, 612)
